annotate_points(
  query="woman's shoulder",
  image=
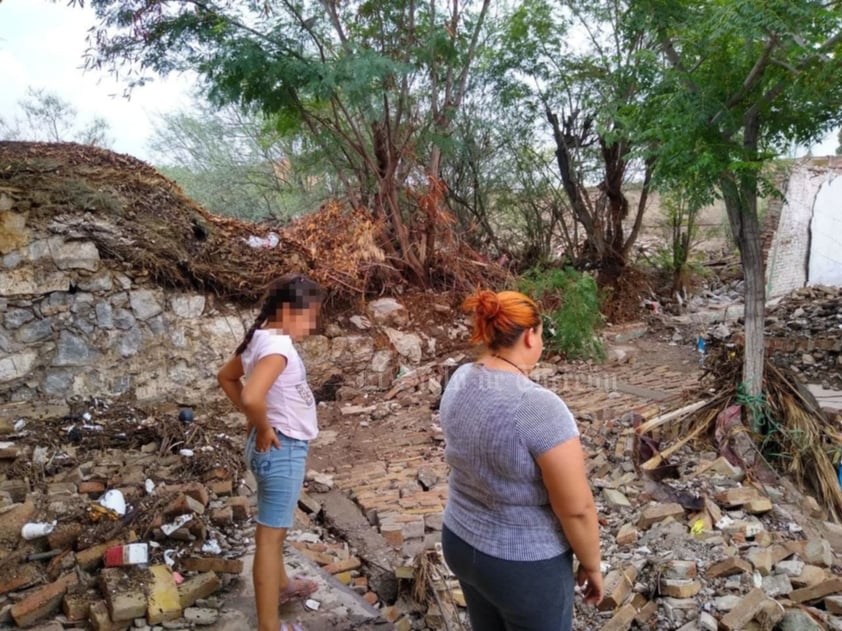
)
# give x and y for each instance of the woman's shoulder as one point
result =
(542, 397)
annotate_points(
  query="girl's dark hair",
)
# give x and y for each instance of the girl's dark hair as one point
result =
(295, 290)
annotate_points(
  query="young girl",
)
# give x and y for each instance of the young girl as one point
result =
(280, 421)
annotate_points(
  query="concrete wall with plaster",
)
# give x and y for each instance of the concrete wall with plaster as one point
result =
(806, 248)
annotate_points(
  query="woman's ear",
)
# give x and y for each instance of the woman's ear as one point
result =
(529, 338)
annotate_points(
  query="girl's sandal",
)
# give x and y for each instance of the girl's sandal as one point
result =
(299, 587)
(295, 627)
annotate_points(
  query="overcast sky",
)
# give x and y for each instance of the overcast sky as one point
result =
(41, 45)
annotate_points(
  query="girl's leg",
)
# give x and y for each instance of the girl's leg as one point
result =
(280, 475)
(268, 575)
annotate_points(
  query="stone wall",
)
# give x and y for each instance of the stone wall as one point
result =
(74, 324)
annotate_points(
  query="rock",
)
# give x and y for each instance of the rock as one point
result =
(818, 552)
(361, 322)
(388, 312)
(74, 254)
(104, 315)
(201, 616)
(25, 281)
(145, 303)
(73, 350)
(16, 366)
(798, 620)
(36, 331)
(406, 344)
(776, 585)
(14, 318)
(188, 306)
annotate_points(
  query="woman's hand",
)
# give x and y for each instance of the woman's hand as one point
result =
(592, 581)
(266, 438)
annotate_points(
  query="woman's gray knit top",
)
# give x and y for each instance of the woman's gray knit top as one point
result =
(495, 424)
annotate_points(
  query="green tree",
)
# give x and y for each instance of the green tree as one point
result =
(235, 163)
(839, 140)
(738, 82)
(46, 117)
(571, 63)
(375, 83)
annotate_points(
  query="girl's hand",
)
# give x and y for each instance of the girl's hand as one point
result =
(266, 438)
(592, 582)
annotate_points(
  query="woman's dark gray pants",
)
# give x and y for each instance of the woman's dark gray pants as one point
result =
(512, 595)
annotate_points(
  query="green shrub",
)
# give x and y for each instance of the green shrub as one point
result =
(570, 301)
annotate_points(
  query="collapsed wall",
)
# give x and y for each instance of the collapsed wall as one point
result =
(112, 283)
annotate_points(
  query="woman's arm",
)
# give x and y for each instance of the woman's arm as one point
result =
(563, 472)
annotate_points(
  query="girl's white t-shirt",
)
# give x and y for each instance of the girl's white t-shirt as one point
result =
(291, 406)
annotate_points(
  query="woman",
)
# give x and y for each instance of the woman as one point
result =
(519, 504)
(280, 421)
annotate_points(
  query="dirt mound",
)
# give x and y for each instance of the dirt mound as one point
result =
(140, 218)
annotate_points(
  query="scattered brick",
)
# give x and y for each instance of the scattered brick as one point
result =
(617, 586)
(124, 598)
(745, 610)
(816, 592)
(622, 619)
(626, 535)
(655, 513)
(336, 567)
(19, 577)
(213, 564)
(163, 602)
(42, 602)
(199, 586)
(728, 567)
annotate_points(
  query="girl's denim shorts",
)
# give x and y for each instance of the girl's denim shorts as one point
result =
(280, 475)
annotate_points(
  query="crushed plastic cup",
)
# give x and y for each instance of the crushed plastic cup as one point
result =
(175, 524)
(169, 557)
(212, 547)
(34, 530)
(149, 485)
(187, 453)
(114, 501)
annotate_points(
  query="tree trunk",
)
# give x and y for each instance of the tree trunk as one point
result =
(741, 204)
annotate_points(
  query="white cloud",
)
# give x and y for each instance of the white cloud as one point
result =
(42, 45)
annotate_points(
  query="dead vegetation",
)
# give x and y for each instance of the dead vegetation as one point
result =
(141, 219)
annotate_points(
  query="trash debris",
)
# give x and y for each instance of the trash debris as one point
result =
(186, 415)
(176, 523)
(114, 501)
(19, 425)
(34, 530)
(270, 241)
(127, 554)
(211, 546)
(149, 485)
(312, 605)
(187, 453)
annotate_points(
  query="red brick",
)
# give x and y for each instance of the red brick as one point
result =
(351, 563)
(42, 602)
(213, 564)
(124, 596)
(820, 590)
(91, 487)
(64, 536)
(200, 586)
(745, 610)
(240, 506)
(19, 577)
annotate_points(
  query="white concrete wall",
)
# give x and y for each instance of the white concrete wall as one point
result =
(811, 218)
(825, 262)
